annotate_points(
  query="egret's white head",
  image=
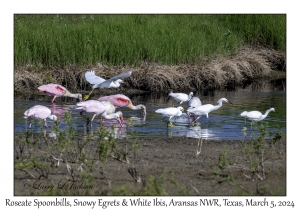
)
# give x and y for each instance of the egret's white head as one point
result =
(272, 109)
(243, 114)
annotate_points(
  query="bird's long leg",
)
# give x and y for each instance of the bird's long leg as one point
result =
(195, 120)
(53, 100)
(87, 119)
(169, 122)
(101, 120)
(29, 125)
(93, 119)
(87, 96)
(46, 123)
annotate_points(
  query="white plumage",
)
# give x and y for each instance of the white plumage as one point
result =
(171, 112)
(99, 82)
(99, 108)
(181, 97)
(256, 115)
(205, 109)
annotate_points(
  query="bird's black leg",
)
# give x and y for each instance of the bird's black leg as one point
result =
(87, 119)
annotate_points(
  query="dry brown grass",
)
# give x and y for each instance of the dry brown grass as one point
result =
(219, 73)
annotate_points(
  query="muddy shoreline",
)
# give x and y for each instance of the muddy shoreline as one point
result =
(171, 166)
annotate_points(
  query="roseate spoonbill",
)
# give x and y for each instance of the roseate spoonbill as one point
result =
(98, 108)
(120, 100)
(256, 115)
(171, 112)
(39, 111)
(58, 91)
(181, 97)
(205, 109)
(99, 82)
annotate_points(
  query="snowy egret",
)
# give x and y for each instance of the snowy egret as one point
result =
(97, 108)
(120, 100)
(99, 82)
(171, 112)
(181, 97)
(205, 109)
(193, 103)
(39, 111)
(256, 115)
(58, 91)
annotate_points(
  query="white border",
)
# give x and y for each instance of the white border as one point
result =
(8, 8)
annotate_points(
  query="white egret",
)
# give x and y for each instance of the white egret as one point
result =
(205, 109)
(171, 112)
(181, 97)
(193, 103)
(99, 82)
(256, 115)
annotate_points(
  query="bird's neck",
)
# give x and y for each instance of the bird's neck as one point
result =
(131, 106)
(73, 95)
(266, 114)
(218, 106)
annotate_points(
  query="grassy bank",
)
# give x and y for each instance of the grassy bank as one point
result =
(61, 40)
(163, 51)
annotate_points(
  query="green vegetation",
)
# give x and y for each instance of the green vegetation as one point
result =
(256, 152)
(45, 41)
(78, 165)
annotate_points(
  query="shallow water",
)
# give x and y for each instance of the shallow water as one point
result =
(225, 123)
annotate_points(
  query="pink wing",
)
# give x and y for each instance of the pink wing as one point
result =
(91, 106)
(38, 111)
(53, 89)
(119, 100)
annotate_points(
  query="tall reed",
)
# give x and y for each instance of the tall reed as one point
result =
(62, 40)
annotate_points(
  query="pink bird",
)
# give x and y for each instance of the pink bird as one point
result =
(58, 91)
(98, 108)
(120, 100)
(39, 111)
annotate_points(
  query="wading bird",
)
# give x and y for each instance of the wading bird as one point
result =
(39, 111)
(205, 109)
(98, 108)
(193, 103)
(170, 112)
(120, 100)
(58, 91)
(256, 115)
(99, 82)
(181, 97)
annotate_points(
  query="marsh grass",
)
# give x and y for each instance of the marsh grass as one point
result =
(165, 51)
(63, 40)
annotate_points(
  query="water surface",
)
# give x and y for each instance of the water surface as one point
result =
(225, 123)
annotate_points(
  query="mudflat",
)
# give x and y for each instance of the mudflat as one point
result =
(164, 166)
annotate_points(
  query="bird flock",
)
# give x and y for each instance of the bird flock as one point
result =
(107, 106)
